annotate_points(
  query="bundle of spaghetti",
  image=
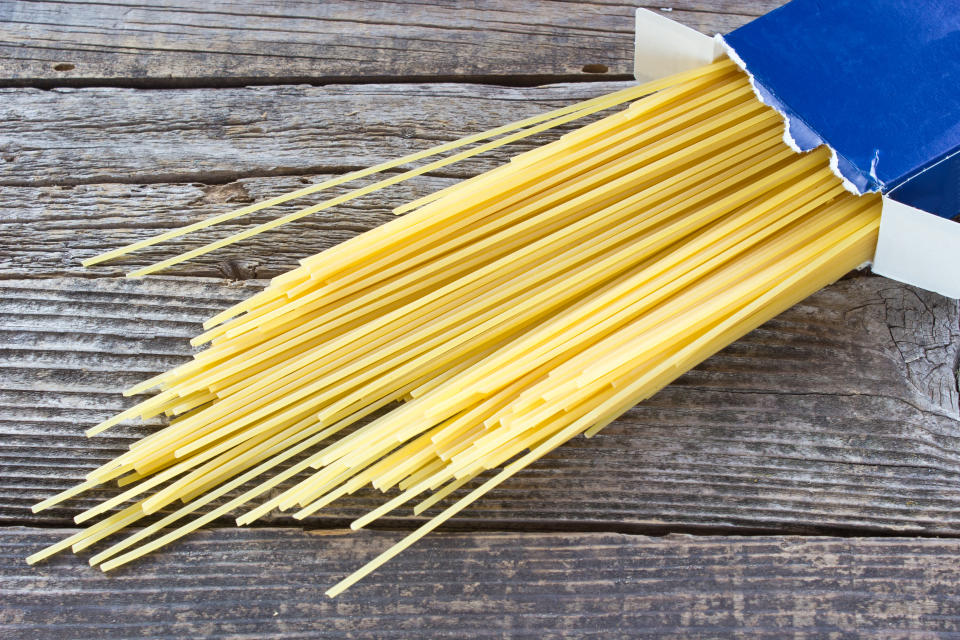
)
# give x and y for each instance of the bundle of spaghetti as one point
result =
(496, 320)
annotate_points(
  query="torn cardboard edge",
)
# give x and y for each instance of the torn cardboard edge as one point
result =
(793, 127)
(915, 247)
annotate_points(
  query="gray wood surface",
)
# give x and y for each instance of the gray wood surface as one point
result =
(67, 224)
(269, 583)
(839, 417)
(176, 42)
(127, 164)
(106, 135)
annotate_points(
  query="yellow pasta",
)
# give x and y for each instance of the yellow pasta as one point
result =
(492, 322)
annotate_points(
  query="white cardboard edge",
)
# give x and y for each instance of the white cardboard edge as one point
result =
(918, 248)
(663, 47)
(915, 247)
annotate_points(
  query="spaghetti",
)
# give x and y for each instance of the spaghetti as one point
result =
(491, 323)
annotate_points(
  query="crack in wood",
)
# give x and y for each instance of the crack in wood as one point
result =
(214, 82)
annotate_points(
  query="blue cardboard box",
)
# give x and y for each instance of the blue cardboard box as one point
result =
(878, 83)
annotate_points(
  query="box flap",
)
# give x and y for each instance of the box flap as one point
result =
(878, 82)
(664, 47)
(919, 249)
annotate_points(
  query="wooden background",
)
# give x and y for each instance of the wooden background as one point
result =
(803, 483)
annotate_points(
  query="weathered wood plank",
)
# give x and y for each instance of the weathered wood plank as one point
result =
(67, 224)
(840, 413)
(228, 42)
(112, 137)
(270, 583)
(71, 136)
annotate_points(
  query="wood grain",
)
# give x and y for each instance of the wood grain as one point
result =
(102, 135)
(225, 42)
(839, 414)
(67, 224)
(128, 164)
(269, 583)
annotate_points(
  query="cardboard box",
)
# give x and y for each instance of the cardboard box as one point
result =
(878, 83)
